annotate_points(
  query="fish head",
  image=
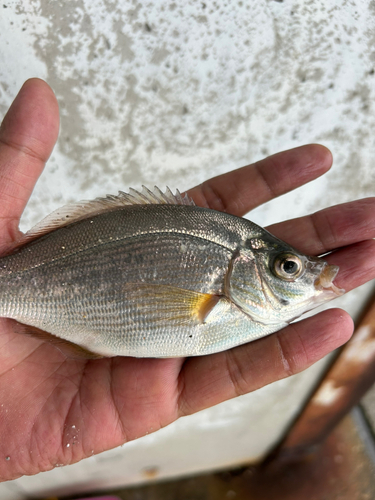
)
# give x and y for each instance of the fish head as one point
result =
(274, 283)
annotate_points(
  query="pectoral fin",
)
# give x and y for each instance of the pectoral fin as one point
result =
(165, 303)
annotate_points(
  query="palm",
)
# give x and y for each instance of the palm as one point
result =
(56, 410)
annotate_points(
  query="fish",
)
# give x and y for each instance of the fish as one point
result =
(150, 274)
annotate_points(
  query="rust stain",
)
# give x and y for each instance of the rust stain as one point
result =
(150, 472)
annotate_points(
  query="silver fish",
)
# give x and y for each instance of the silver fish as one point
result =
(152, 275)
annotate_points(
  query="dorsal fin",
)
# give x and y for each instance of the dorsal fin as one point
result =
(74, 212)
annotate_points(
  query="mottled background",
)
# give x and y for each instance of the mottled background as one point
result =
(172, 93)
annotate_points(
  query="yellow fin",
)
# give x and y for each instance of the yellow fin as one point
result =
(166, 303)
(68, 348)
(206, 306)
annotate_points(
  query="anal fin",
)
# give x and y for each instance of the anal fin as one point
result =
(70, 349)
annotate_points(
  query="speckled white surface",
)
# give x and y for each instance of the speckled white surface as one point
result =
(157, 92)
(173, 93)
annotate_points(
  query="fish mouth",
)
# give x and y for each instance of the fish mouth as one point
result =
(324, 282)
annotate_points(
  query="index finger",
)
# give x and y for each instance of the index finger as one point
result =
(242, 190)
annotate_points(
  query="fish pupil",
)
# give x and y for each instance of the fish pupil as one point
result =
(290, 267)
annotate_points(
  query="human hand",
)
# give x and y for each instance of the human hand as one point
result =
(57, 410)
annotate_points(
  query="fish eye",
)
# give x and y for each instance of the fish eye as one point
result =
(288, 266)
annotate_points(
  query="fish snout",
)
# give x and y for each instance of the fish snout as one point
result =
(325, 280)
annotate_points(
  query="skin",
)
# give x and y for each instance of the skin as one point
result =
(43, 393)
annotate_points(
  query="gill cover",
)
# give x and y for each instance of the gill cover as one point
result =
(246, 287)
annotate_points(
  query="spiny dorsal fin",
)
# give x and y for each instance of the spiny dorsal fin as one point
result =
(74, 212)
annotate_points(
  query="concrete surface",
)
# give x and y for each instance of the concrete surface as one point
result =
(173, 93)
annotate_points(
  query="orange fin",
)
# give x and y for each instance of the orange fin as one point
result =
(206, 305)
(170, 304)
(68, 348)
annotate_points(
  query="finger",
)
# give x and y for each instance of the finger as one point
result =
(209, 380)
(356, 263)
(27, 136)
(241, 190)
(330, 228)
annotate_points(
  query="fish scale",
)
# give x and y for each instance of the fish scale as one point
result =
(209, 225)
